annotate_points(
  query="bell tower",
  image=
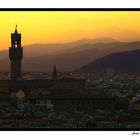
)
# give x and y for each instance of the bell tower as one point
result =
(16, 55)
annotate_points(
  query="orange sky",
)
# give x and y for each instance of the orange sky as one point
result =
(55, 27)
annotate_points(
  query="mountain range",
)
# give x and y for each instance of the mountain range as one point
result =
(120, 62)
(67, 56)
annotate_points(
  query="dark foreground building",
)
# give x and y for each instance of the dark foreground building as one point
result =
(65, 94)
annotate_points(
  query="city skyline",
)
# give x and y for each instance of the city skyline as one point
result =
(68, 26)
(87, 84)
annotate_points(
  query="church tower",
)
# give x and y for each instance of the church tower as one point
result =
(16, 55)
(54, 73)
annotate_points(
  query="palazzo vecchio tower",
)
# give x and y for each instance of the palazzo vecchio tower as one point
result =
(16, 55)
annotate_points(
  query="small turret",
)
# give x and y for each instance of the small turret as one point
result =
(54, 73)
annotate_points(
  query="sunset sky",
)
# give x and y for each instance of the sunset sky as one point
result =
(59, 27)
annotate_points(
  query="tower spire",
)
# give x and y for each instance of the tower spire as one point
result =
(16, 29)
(54, 73)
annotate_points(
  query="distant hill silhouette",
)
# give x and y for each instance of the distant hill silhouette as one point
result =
(121, 62)
(37, 49)
(67, 56)
(64, 62)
